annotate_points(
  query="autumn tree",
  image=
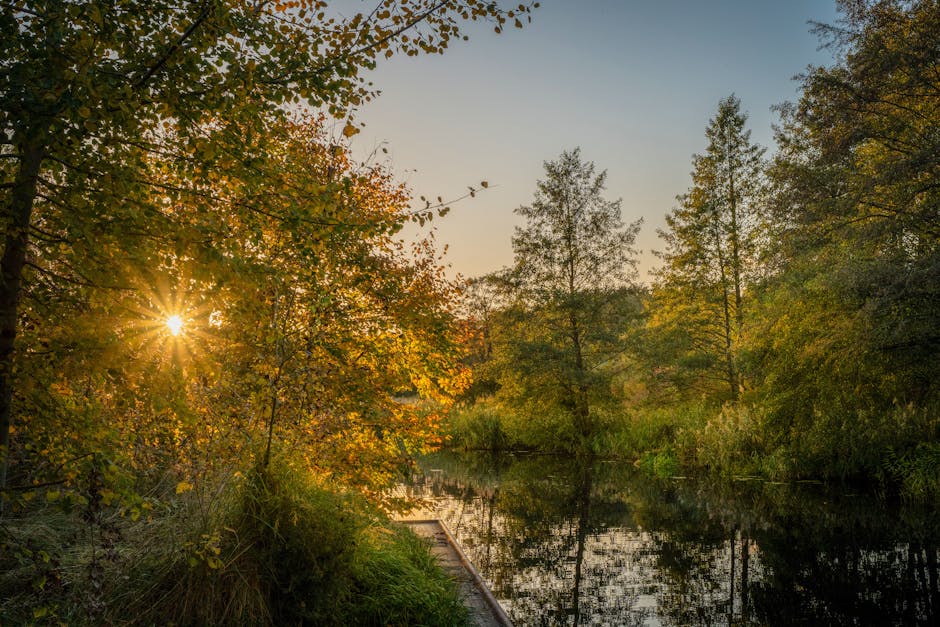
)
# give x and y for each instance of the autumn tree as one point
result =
(573, 263)
(92, 92)
(711, 253)
(302, 319)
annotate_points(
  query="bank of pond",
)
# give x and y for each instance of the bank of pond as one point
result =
(566, 540)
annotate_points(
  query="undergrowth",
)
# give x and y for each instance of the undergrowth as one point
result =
(273, 547)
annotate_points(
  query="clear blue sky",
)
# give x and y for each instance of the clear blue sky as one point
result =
(633, 83)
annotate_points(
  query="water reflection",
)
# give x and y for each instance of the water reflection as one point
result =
(565, 542)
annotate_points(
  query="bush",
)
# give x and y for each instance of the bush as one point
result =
(733, 441)
(662, 464)
(276, 548)
(398, 582)
(916, 471)
(296, 553)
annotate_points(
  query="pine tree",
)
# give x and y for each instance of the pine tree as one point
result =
(711, 249)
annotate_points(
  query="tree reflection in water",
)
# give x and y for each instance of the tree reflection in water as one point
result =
(564, 541)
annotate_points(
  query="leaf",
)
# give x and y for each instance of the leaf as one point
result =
(349, 130)
(183, 486)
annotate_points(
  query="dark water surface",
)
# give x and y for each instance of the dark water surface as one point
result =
(596, 543)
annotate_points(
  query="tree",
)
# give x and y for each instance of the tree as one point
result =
(301, 322)
(482, 300)
(92, 92)
(847, 334)
(711, 251)
(573, 263)
(856, 178)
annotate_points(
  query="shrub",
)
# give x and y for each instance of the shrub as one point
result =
(651, 429)
(398, 582)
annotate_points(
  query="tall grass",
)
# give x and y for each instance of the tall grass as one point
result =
(489, 426)
(894, 447)
(277, 547)
(646, 432)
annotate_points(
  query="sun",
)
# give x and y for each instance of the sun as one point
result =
(175, 324)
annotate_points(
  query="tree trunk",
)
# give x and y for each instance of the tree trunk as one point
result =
(19, 213)
(582, 413)
(735, 244)
(726, 310)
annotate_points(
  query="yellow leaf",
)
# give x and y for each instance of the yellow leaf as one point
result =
(349, 130)
(183, 486)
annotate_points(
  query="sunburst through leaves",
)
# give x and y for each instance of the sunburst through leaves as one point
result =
(175, 324)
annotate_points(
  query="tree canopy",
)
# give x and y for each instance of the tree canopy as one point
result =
(574, 263)
(139, 140)
(711, 257)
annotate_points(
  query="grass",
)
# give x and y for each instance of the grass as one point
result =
(277, 547)
(488, 426)
(893, 449)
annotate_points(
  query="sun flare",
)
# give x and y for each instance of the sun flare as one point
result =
(175, 324)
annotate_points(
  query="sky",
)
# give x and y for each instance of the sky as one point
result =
(632, 83)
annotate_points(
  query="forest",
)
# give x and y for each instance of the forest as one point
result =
(218, 353)
(792, 328)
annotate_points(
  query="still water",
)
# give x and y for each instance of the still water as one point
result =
(563, 542)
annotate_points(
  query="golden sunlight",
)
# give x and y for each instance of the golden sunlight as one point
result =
(175, 324)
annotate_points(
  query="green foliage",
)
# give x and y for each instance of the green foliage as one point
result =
(398, 582)
(916, 471)
(732, 441)
(663, 464)
(634, 433)
(275, 547)
(492, 426)
(697, 307)
(548, 330)
(826, 331)
(841, 345)
(565, 301)
(480, 426)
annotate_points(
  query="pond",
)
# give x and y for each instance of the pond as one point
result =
(567, 542)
